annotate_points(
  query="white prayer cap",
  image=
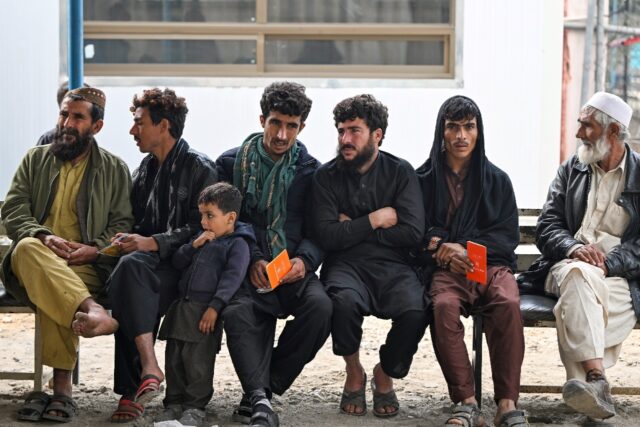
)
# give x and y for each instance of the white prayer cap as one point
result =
(613, 106)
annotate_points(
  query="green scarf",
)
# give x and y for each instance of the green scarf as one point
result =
(264, 185)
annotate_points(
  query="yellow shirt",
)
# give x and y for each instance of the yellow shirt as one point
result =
(63, 216)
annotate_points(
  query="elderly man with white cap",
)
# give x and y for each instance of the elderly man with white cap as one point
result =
(588, 234)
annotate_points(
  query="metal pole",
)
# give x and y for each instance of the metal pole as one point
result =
(588, 41)
(601, 59)
(75, 44)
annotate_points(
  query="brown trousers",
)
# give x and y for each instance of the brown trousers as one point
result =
(499, 304)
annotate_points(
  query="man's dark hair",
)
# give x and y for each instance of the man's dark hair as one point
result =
(459, 108)
(163, 104)
(63, 89)
(286, 98)
(224, 195)
(97, 112)
(365, 107)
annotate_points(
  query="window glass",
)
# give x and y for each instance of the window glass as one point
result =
(170, 10)
(355, 52)
(360, 11)
(100, 51)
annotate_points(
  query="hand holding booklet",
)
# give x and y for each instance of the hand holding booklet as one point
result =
(477, 254)
(276, 270)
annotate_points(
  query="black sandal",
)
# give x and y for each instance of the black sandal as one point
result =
(33, 406)
(383, 400)
(61, 403)
(356, 398)
(264, 417)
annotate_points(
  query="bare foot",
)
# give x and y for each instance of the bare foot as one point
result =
(94, 323)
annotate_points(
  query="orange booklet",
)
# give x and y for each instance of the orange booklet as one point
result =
(477, 254)
(278, 268)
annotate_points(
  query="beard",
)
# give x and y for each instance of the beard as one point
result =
(593, 153)
(66, 150)
(359, 160)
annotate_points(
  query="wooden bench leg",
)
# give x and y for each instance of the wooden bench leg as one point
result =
(37, 355)
(476, 361)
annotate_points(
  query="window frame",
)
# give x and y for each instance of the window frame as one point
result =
(447, 75)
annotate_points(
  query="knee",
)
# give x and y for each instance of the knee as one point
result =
(320, 305)
(415, 319)
(344, 303)
(445, 305)
(25, 246)
(235, 315)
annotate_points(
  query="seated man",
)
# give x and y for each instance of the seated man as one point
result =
(273, 171)
(66, 201)
(467, 198)
(368, 210)
(165, 194)
(588, 236)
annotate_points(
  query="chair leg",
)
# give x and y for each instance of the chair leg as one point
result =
(76, 370)
(37, 355)
(476, 362)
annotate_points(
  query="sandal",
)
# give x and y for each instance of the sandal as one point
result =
(61, 403)
(382, 400)
(264, 417)
(468, 414)
(513, 418)
(33, 406)
(170, 413)
(148, 390)
(192, 417)
(356, 398)
(242, 413)
(129, 409)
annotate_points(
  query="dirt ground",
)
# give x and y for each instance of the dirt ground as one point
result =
(313, 399)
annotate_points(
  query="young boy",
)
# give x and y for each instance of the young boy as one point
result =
(214, 264)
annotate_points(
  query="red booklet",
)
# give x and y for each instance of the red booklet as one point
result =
(277, 268)
(477, 254)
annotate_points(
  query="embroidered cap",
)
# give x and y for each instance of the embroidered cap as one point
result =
(613, 106)
(90, 94)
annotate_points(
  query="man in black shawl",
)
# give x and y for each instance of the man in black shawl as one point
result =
(368, 211)
(273, 171)
(165, 194)
(467, 198)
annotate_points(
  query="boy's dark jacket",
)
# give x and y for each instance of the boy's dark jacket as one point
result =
(214, 271)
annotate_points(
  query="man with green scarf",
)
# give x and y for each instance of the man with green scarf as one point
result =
(273, 171)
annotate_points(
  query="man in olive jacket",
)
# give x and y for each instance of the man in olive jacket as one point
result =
(66, 201)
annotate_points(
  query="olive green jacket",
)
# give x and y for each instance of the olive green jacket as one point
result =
(103, 205)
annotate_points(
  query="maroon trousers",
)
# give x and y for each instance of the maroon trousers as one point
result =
(499, 304)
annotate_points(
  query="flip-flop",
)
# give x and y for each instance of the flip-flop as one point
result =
(130, 409)
(382, 400)
(61, 403)
(33, 406)
(148, 390)
(356, 398)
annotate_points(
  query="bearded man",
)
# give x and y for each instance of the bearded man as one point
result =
(588, 236)
(66, 201)
(368, 209)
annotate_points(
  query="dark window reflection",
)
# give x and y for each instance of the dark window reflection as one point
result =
(354, 52)
(170, 51)
(170, 10)
(360, 11)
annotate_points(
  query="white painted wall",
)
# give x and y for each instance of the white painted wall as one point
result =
(512, 51)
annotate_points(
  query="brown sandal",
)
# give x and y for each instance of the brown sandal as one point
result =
(356, 398)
